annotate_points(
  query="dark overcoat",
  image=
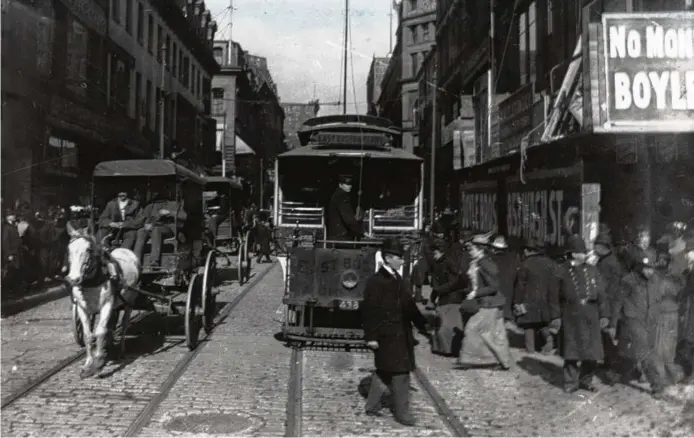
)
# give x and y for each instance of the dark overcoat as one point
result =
(11, 242)
(687, 309)
(583, 303)
(341, 221)
(388, 313)
(112, 213)
(611, 271)
(447, 287)
(537, 287)
(508, 263)
(636, 313)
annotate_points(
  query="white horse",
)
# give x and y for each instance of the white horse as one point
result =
(94, 292)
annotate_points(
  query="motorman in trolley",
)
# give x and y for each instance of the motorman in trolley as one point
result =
(388, 313)
(341, 221)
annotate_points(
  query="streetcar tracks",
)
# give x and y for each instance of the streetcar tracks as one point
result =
(146, 414)
(294, 399)
(60, 366)
(157, 393)
(295, 422)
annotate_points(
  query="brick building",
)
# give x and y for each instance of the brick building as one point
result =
(562, 152)
(249, 118)
(373, 83)
(79, 86)
(295, 114)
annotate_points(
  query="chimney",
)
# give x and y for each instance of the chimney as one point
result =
(199, 14)
(211, 31)
(190, 8)
(205, 22)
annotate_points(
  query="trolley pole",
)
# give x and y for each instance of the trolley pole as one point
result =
(432, 164)
(162, 102)
(344, 78)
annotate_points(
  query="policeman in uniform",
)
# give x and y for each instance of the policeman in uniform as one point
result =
(389, 311)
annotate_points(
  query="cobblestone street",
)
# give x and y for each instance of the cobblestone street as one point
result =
(238, 385)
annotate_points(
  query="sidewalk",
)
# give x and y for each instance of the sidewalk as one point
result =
(13, 304)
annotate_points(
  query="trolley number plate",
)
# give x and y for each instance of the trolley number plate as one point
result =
(349, 305)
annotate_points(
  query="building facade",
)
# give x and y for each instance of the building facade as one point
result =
(569, 155)
(295, 114)
(79, 86)
(373, 83)
(249, 119)
(162, 72)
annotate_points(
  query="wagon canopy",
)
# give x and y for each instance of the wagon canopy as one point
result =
(147, 168)
(221, 182)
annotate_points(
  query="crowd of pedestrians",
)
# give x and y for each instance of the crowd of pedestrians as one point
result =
(624, 313)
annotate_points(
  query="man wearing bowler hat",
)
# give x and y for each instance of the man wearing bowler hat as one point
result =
(341, 220)
(119, 218)
(388, 313)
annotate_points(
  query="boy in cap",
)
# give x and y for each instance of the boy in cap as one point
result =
(388, 313)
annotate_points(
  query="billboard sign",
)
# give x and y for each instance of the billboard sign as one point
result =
(649, 67)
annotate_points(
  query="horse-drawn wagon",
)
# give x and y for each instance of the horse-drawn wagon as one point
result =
(180, 278)
(227, 231)
(324, 278)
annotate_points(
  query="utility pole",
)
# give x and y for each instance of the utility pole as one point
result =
(231, 17)
(344, 77)
(390, 34)
(162, 101)
(491, 80)
(432, 164)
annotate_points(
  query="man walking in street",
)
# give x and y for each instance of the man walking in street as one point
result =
(388, 314)
(536, 297)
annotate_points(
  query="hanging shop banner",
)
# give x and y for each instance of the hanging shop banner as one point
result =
(545, 205)
(649, 67)
(478, 206)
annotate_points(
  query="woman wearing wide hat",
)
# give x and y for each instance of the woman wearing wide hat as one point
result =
(485, 342)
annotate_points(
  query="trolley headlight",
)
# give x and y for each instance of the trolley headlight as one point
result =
(349, 279)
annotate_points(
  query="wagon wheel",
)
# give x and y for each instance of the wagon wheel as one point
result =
(192, 321)
(209, 298)
(239, 260)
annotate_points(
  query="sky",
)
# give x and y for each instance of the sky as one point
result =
(302, 41)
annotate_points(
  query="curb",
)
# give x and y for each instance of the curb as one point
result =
(53, 293)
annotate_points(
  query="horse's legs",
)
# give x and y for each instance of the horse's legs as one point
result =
(87, 332)
(124, 328)
(101, 332)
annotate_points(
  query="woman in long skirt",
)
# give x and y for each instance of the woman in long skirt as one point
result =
(485, 342)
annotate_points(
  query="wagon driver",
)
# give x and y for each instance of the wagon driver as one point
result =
(342, 223)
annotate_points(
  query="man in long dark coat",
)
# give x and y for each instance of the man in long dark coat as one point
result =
(341, 220)
(686, 331)
(120, 218)
(611, 271)
(389, 311)
(536, 296)
(447, 293)
(636, 314)
(507, 262)
(583, 316)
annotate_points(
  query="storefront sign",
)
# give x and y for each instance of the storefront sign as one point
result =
(649, 71)
(515, 118)
(545, 208)
(478, 207)
(350, 139)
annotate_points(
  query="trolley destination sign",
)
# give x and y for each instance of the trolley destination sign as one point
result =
(649, 66)
(349, 139)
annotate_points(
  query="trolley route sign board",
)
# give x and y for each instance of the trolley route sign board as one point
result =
(649, 72)
(327, 275)
(350, 139)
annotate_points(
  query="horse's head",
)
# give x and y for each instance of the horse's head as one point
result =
(84, 256)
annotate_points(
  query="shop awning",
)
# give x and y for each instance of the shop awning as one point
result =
(242, 147)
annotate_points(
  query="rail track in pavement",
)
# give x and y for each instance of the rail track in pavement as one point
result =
(66, 371)
(429, 402)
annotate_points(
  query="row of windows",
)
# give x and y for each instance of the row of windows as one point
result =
(422, 33)
(163, 47)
